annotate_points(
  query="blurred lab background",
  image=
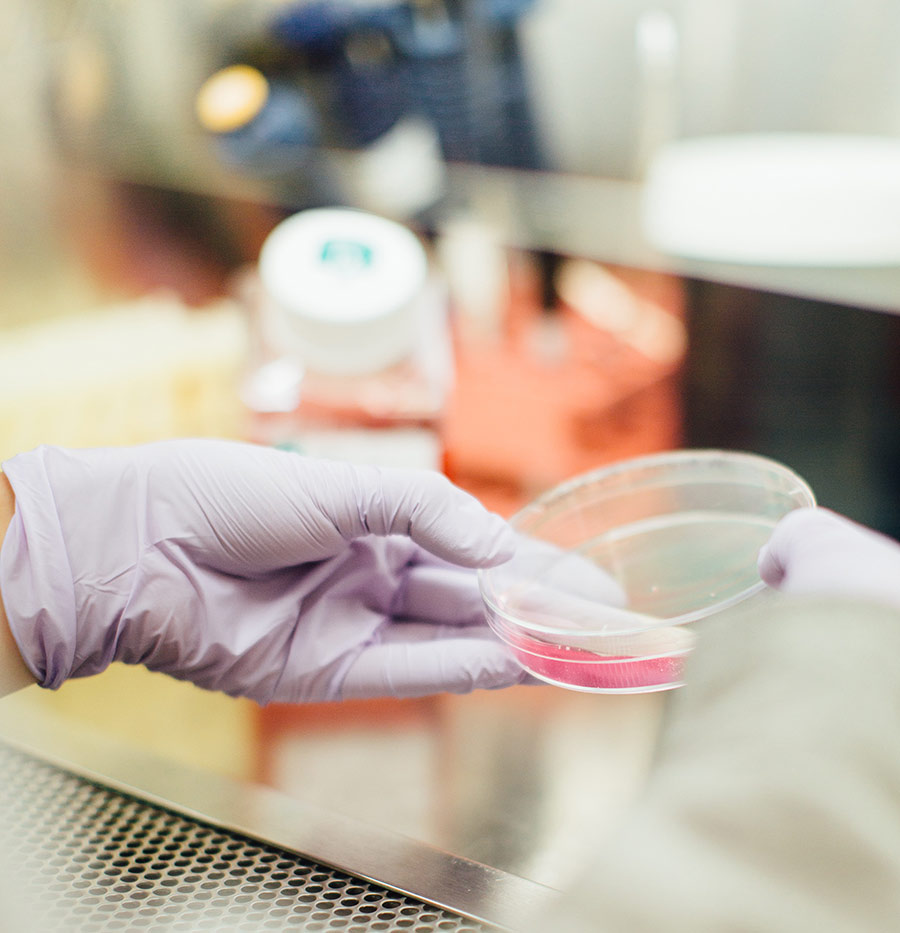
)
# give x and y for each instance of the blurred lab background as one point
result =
(646, 225)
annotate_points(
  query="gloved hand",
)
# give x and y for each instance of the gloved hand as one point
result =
(814, 551)
(249, 570)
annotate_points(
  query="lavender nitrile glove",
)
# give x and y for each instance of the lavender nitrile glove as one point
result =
(249, 570)
(815, 552)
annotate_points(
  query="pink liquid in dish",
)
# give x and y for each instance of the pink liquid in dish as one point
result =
(588, 670)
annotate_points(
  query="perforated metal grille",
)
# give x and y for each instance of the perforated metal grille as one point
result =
(83, 857)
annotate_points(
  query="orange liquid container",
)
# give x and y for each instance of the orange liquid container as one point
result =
(555, 391)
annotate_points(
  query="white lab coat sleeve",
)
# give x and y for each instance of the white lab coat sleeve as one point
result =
(774, 800)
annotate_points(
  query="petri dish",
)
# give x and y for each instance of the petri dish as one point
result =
(614, 566)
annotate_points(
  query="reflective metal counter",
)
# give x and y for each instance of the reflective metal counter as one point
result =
(100, 836)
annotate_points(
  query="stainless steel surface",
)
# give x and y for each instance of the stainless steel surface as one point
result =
(81, 856)
(110, 835)
(530, 781)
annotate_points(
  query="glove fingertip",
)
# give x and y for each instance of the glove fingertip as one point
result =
(499, 541)
(772, 555)
(768, 566)
(471, 538)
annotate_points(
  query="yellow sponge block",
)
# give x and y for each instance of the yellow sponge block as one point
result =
(127, 374)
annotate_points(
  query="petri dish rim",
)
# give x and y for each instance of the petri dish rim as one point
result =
(796, 486)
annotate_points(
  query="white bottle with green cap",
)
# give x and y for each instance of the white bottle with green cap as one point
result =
(350, 304)
(348, 284)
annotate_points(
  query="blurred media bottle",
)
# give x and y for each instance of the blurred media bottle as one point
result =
(351, 352)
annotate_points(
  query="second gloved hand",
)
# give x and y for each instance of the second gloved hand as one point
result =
(816, 552)
(252, 571)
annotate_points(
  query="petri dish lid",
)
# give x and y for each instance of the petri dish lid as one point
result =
(653, 541)
(777, 199)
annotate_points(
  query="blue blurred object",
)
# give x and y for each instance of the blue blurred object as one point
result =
(313, 27)
(355, 48)
(457, 64)
(503, 12)
(511, 139)
(282, 136)
(344, 74)
(469, 75)
(434, 52)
